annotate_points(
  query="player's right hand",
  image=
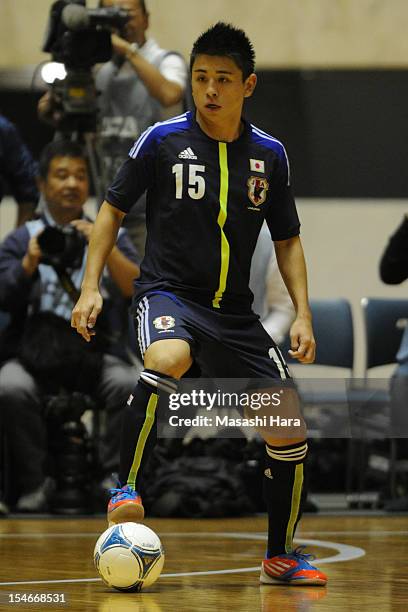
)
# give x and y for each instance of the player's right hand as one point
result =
(303, 344)
(86, 312)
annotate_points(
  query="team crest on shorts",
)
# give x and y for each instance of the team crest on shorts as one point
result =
(257, 188)
(164, 322)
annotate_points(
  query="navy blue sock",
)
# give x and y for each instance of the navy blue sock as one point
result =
(139, 424)
(284, 493)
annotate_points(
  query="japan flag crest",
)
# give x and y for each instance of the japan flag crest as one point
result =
(257, 189)
(257, 165)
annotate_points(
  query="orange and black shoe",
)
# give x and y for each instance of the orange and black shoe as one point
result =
(125, 506)
(292, 569)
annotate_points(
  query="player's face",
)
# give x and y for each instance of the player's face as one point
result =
(66, 187)
(218, 88)
(138, 23)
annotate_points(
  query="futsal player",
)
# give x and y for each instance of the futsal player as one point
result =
(211, 180)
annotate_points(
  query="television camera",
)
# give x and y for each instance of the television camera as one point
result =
(79, 38)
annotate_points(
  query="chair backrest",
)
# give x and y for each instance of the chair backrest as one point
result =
(333, 330)
(385, 320)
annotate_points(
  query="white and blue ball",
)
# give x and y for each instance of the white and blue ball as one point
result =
(129, 556)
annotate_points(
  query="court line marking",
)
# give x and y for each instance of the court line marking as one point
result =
(345, 552)
(196, 534)
(357, 533)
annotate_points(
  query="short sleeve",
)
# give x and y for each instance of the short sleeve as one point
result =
(174, 68)
(281, 215)
(134, 176)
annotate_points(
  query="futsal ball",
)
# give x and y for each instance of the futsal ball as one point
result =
(129, 556)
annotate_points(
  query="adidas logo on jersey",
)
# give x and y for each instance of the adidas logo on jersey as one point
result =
(268, 473)
(187, 154)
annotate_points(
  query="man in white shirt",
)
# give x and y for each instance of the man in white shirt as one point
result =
(142, 84)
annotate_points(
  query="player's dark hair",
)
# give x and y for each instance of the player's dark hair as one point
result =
(225, 40)
(59, 148)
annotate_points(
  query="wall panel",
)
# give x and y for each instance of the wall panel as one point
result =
(293, 33)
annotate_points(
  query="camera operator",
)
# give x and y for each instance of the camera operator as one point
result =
(46, 359)
(140, 85)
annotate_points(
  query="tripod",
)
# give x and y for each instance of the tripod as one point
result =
(90, 139)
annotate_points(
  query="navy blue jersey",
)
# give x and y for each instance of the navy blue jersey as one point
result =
(206, 202)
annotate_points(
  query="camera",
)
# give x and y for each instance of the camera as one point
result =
(62, 247)
(80, 38)
(73, 452)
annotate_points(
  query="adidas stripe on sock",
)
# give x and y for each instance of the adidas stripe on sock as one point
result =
(284, 492)
(139, 424)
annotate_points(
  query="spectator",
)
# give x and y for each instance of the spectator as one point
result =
(141, 85)
(31, 289)
(18, 169)
(393, 271)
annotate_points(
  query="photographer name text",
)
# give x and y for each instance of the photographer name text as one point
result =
(227, 421)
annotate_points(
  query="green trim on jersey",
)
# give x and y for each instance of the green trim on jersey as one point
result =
(144, 434)
(222, 217)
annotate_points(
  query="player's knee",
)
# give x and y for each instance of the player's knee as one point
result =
(171, 363)
(167, 364)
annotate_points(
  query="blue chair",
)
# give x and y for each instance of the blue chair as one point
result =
(334, 334)
(325, 400)
(333, 330)
(385, 320)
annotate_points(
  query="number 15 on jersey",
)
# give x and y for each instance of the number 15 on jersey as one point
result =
(196, 182)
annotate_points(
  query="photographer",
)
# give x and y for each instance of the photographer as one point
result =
(140, 85)
(39, 283)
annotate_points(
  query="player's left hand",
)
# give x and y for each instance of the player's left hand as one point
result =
(83, 226)
(302, 340)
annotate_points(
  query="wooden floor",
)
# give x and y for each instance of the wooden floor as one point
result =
(365, 557)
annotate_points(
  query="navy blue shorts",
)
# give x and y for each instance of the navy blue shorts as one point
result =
(223, 345)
